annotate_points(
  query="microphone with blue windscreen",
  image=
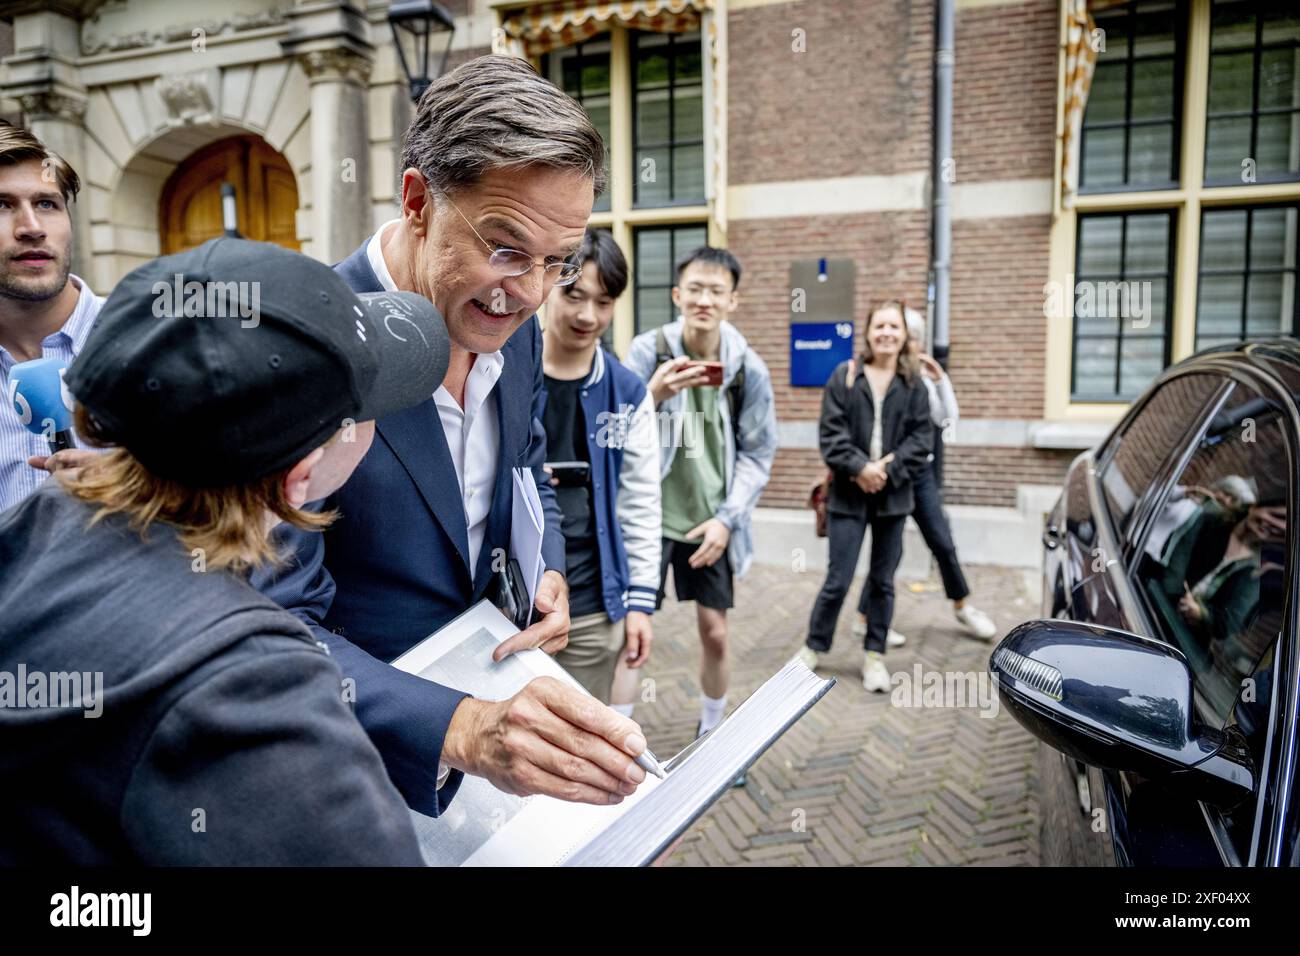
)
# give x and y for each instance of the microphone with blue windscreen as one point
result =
(42, 404)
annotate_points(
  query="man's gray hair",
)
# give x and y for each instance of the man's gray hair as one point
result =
(496, 112)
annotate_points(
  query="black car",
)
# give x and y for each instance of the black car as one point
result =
(1164, 677)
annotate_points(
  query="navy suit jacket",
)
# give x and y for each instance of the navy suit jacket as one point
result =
(394, 567)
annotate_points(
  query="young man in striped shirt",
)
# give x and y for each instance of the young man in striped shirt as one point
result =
(45, 311)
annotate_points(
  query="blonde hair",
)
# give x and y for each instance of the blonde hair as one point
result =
(908, 364)
(227, 526)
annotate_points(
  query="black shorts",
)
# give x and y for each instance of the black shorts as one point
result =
(709, 587)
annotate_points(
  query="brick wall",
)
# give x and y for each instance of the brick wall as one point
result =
(859, 102)
(1004, 91)
(974, 475)
(856, 102)
(998, 331)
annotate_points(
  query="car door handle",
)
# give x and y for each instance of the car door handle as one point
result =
(1051, 537)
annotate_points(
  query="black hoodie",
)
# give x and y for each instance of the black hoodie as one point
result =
(219, 735)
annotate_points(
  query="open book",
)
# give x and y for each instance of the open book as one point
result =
(485, 827)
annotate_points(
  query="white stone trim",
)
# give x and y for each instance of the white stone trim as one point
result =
(837, 196)
(1002, 199)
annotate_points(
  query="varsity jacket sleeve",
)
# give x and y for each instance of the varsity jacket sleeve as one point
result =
(639, 517)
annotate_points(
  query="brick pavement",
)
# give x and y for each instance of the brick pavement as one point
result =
(871, 783)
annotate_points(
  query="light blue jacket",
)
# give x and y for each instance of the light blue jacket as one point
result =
(749, 459)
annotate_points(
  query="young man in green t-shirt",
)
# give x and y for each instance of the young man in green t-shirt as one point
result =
(718, 439)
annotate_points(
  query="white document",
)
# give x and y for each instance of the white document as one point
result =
(527, 521)
(485, 827)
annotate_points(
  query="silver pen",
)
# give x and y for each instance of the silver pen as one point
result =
(650, 763)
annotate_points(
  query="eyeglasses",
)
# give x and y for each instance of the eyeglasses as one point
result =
(512, 262)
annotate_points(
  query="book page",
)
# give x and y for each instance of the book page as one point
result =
(486, 827)
(460, 656)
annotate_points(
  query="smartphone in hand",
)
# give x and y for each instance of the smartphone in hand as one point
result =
(714, 370)
(570, 474)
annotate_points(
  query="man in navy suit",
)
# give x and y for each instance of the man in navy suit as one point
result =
(501, 170)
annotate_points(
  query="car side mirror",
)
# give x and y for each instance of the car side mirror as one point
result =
(1118, 701)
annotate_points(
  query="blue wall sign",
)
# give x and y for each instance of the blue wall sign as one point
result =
(816, 348)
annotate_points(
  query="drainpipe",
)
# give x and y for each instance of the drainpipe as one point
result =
(942, 173)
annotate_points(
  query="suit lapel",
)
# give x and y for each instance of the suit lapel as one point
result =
(415, 435)
(417, 440)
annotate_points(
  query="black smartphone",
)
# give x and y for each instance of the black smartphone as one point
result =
(570, 473)
(510, 595)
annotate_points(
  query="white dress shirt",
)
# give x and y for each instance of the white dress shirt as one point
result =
(17, 478)
(473, 433)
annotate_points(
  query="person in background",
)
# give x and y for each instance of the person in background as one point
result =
(45, 310)
(927, 490)
(726, 432)
(876, 438)
(600, 414)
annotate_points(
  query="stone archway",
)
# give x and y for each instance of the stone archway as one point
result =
(138, 132)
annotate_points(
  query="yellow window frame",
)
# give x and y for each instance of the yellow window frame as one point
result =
(1187, 201)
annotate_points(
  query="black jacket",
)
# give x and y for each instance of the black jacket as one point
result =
(194, 722)
(848, 414)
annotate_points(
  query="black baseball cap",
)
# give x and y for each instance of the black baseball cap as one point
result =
(234, 360)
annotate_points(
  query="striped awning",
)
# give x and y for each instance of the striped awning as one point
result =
(1080, 61)
(543, 27)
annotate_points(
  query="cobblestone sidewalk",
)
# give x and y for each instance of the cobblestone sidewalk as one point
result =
(859, 780)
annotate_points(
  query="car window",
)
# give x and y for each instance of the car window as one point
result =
(1139, 453)
(1212, 571)
(1211, 564)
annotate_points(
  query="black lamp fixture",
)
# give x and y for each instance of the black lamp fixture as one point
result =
(413, 23)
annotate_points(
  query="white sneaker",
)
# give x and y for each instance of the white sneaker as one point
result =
(976, 622)
(807, 657)
(875, 675)
(892, 639)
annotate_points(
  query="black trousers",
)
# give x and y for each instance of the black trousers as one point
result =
(845, 533)
(929, 517)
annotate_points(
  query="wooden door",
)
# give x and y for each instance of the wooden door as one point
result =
(266, 195)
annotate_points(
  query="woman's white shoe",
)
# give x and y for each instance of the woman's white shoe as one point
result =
(808, 657)
(976, 622)
(875, 675)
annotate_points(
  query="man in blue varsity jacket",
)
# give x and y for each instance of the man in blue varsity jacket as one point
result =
(600, 415)
(501, 170)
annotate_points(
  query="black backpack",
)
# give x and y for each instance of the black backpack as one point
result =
(735, 391)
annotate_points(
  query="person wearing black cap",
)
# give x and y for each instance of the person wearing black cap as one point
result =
(155, 706)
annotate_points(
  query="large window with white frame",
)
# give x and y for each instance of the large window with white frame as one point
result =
(1189, 192)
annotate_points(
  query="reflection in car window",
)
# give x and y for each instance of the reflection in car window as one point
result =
(1212, 570)
(1148, 440)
